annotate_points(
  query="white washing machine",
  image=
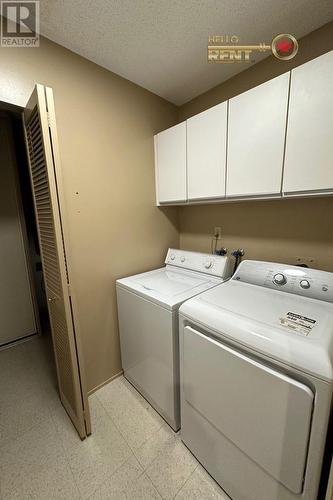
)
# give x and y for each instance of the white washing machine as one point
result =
(148, 306)
(256, 381)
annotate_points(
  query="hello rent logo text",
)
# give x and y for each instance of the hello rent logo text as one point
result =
(283, 46)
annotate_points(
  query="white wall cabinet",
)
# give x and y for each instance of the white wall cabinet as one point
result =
(309, 147)
(256, 135)
(170, 165)
(206, 153)
(245, 149)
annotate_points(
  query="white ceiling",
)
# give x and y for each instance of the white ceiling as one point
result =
(162, 44)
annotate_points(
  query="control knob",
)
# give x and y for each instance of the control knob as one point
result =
(182, 259)
(172, 256)
(279, 279)
(304, 284)
(208, 264)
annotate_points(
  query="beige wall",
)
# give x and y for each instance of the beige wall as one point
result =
(272, 230)
(106, 126)
(313, 45)
(279, 230)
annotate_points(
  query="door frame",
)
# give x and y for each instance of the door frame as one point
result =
(8, 110)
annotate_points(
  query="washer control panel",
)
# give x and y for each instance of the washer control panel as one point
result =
(215, 265)
(292, 279)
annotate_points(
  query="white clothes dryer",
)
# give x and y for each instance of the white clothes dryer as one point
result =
(257, 378)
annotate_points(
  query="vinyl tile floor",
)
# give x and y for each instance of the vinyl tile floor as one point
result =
(132, 453)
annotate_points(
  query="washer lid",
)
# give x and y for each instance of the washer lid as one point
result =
(169, 287)
(295, 330)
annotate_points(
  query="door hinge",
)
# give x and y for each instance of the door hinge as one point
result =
(48, 119)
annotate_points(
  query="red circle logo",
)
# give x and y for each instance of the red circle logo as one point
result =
(284, 46)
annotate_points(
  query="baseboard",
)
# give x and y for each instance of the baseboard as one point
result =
(99, 386)
(20, 340)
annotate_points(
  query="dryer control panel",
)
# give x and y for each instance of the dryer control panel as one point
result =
(215, 265)
(292, 279)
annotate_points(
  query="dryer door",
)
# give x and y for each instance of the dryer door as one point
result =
(266, 414)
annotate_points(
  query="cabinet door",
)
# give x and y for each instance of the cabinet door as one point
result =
(170, 164)
(206, 153)
(256, 136)
(309, 146)
(261, 411)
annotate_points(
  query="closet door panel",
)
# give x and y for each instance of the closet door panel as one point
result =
(206, 153)
(256, 137)
(42, 146)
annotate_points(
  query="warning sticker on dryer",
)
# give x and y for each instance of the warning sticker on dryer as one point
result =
(298, 323)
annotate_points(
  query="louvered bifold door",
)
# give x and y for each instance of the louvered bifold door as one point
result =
(41, 139)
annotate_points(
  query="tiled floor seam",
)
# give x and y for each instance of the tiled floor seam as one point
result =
(153, 485)
(138, 459)
(187, 480)
(109, 477)
(144, 469)
(66, 456)
(155, 458)
(182, 486)
(143, 473)
(115, 424)
(123, 435)
(130, 447)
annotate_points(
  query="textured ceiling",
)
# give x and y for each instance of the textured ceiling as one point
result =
(162, 44)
